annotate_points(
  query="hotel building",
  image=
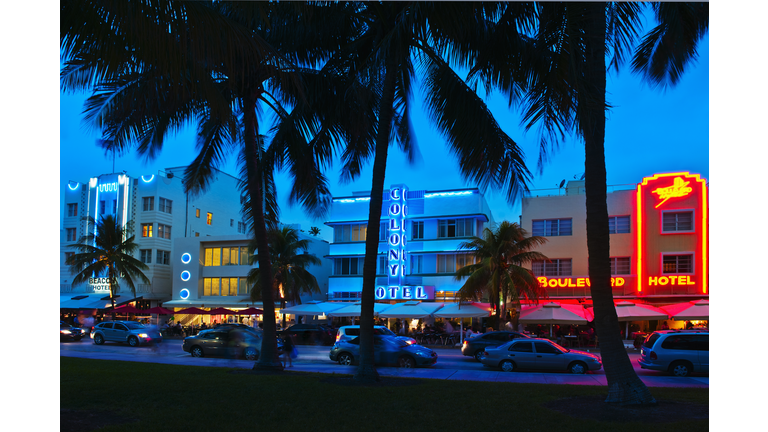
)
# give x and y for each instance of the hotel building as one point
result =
(160, 211)
(419, 238)
(659, 239)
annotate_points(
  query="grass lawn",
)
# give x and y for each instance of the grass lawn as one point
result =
(129, 396)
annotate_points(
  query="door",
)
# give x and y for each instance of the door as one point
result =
(106, 330)
(215, 343)
(522, 354)
(548, 357)
(119, 333)
(701, 344)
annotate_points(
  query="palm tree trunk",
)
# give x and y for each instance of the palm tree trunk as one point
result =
(624, 387)
(366, 371)
(268, 356)
(110, 275)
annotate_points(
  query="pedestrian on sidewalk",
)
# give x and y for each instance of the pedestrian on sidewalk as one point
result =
(287, 351)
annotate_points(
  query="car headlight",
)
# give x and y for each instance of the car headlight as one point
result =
(143, 335)
(423, 354)
(66, 332)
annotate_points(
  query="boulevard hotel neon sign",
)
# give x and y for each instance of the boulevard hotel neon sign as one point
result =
(668, 193)
(616, 282)
(396, 253)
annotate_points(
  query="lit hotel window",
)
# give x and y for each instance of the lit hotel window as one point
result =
(677, 264)
(677, 221)
(197, 213)
(146, 230)
(163, 231)
(209, 218)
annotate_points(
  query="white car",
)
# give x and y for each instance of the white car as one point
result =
(130, 332)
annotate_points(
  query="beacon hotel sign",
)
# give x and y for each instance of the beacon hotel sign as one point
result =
(397, 256)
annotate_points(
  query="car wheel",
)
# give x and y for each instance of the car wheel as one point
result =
(680, 369)
(98, 339)
(577, 368)
(196, 351)
(406, 362)
(345, 359)
(251, 354)
(133, 341)
(478, 354)
(507, 366)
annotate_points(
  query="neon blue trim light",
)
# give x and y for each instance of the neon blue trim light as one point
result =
(186, 258)
(445, 194)
(77, 185)
(185, 275)
(152, 177)
(184, 294)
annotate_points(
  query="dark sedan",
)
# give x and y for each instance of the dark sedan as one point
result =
(69, 333)
(386, 350)
(227, 341)
(310, 334)
(473, 347)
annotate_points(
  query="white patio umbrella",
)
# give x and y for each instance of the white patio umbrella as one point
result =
(555, 313)
(628, 311)
(462, 310)
(355, 309)
(690, 310)
(313, 307)
(411, 309)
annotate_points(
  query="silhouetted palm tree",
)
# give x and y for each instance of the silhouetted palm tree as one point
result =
(551, 58)
(498, 271)
(107, 253)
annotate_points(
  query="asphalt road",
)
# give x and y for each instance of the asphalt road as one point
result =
(170, 352)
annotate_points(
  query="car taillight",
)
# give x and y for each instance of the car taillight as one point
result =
(465, 343)
(338, 336)
(653, 356)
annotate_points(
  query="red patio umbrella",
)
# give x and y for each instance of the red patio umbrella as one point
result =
(192, 311)
(159, 311)
(125, 309)
(250, 311)
(221, 311)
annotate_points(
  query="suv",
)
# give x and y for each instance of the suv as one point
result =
(349, 332)
(67, 332)
(131, 332)
(678, 352)
(474, 346)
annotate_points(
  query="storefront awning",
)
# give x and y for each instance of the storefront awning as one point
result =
(234, 304)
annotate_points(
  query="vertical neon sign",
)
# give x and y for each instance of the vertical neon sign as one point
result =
(396, 240)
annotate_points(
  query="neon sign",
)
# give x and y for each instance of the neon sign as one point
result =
(185, 275)
(186, 258)
(580, 282)
(670, 280)
(147, 180)
(404, 292)
(396, 256)
(678, 189)
(184, 293)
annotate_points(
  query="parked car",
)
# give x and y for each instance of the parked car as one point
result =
(310, 334)
(69, 333)
(345, 333)
(229, 341)
(679, 352)
(474, 346)
(539, 354)
(130, 332)
(387, 350)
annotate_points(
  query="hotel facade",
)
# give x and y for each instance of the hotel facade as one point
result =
(419, 237)
(659, 239)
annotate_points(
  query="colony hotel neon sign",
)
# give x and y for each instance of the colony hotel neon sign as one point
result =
(674, 191)
(396, 253)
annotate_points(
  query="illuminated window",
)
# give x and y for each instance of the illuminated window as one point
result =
(350, 233)
(673, 264)
(148, 203)
(145, 255)
(71, 234)
(447, 228)
(242, 287)
(244, 256)
(197, 234)
(163, 257)
(163, 231)
(146, 230)
(417, 230)
(209, 218)
(553, 267)
(618, 224)
(620, 266)
(197, 213)
(165, 205)
(677, 221)
(72, 209)
(552, 227)
(348, 266)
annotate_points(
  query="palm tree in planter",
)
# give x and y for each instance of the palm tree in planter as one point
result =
(498, 272)
(290, 260)
(107, 252)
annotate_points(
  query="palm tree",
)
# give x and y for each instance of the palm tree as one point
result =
(217, 67)
(395, 37)
(107, 252)
(314, 231)
(289, 265)
(558, 73)
(498, 272)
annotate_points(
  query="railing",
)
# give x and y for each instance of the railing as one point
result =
(574, 190)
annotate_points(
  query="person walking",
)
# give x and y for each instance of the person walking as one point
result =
(287, 351)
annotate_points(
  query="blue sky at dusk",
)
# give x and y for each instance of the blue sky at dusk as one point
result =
(647, 131)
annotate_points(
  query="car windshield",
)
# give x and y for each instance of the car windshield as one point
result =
(133, 325)
(384, 331)
(396, 342)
